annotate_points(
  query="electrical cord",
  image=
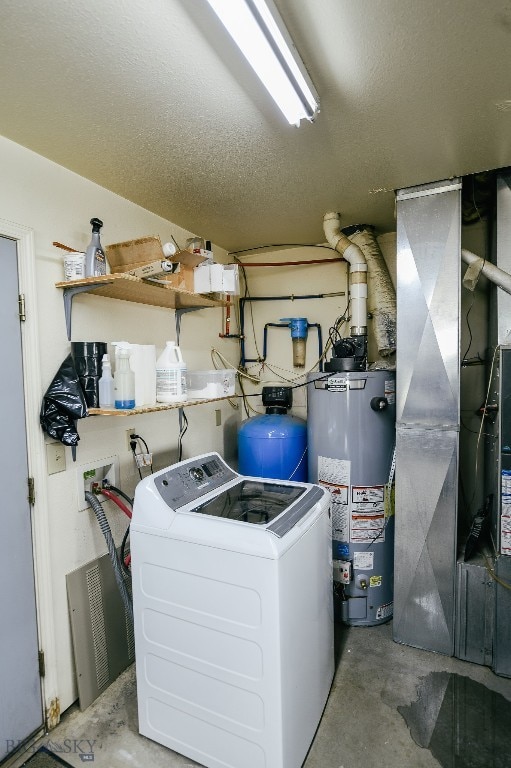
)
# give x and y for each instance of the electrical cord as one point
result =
(476, 467)
(133, 446)
(124, 557)
(492, 573)
(280, 245)
(295, 470)
(184, 426)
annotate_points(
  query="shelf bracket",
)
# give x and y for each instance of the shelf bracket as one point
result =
(69, 294)
(178, 315)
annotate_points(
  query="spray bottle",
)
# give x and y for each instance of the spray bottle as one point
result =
(106, 385)
(95, 260)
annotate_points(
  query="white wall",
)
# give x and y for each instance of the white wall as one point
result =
(58, 205)
(296, 280)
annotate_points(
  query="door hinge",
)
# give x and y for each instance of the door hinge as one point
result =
(40, 657)
(21, 307)
(31, 491)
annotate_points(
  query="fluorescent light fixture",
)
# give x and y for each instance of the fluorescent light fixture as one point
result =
(258, 30)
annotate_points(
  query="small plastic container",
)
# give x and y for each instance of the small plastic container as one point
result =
(206, 385)
(74, 265)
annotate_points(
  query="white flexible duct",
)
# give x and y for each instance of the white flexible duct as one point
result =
(478, 266)
(358, 271)
(382, 296)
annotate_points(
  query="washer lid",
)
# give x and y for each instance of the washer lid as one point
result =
(260, 502)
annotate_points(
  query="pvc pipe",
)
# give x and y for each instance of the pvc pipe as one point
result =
(478, 266)
(382, 296)
(358, 270)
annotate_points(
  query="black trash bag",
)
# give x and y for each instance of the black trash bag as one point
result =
(63, 403)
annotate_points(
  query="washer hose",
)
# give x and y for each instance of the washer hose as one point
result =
(98, 510)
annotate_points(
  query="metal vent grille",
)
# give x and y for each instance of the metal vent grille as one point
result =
(97, 615)
(103, 640)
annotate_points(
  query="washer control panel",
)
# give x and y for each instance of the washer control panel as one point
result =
(185, 482)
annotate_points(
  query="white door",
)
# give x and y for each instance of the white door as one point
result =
(21, 712)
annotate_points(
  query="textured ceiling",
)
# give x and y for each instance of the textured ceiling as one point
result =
(151, 100)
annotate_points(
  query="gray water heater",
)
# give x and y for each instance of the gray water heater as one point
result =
(351, 445)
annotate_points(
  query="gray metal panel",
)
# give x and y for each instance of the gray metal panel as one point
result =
(502, 649)
(103, 640)
(21, 712)
(475, 599)
(503, 299)
(428, 382)
(428, 289)
(287, 521)
(425, 538)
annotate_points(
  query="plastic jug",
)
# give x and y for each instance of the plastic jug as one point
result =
(170, 375)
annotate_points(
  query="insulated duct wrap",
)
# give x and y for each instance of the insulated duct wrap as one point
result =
(382, 296)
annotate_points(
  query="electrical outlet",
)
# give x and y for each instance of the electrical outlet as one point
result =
(55, 457)
(128, 434)
(96, 472)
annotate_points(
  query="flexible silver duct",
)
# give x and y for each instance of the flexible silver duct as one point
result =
(382, 296)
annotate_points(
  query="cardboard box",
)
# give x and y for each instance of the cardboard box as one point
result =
(153, 268)
(134, 252)
(194, 258)
(181, 278)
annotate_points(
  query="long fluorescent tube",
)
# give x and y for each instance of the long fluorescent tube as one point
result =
(258, 30)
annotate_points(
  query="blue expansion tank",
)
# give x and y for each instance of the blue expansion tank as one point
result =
(274, 444)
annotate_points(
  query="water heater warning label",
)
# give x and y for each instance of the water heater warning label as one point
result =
(367, 522)
(334, 474)
(363, 561)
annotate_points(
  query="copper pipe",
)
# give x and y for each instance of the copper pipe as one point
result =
(286, 263)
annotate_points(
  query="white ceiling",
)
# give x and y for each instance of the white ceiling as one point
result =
(151, 100)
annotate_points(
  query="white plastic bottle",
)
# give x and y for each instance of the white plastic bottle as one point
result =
(106, 384)
(170, 375)
(124, 379)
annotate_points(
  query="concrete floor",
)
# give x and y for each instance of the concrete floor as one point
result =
(361, 726)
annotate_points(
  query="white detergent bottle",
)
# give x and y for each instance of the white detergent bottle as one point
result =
(124, 378)
(170, 375)
(106, 384)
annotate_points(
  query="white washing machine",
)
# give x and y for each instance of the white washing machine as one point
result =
(232, 595)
